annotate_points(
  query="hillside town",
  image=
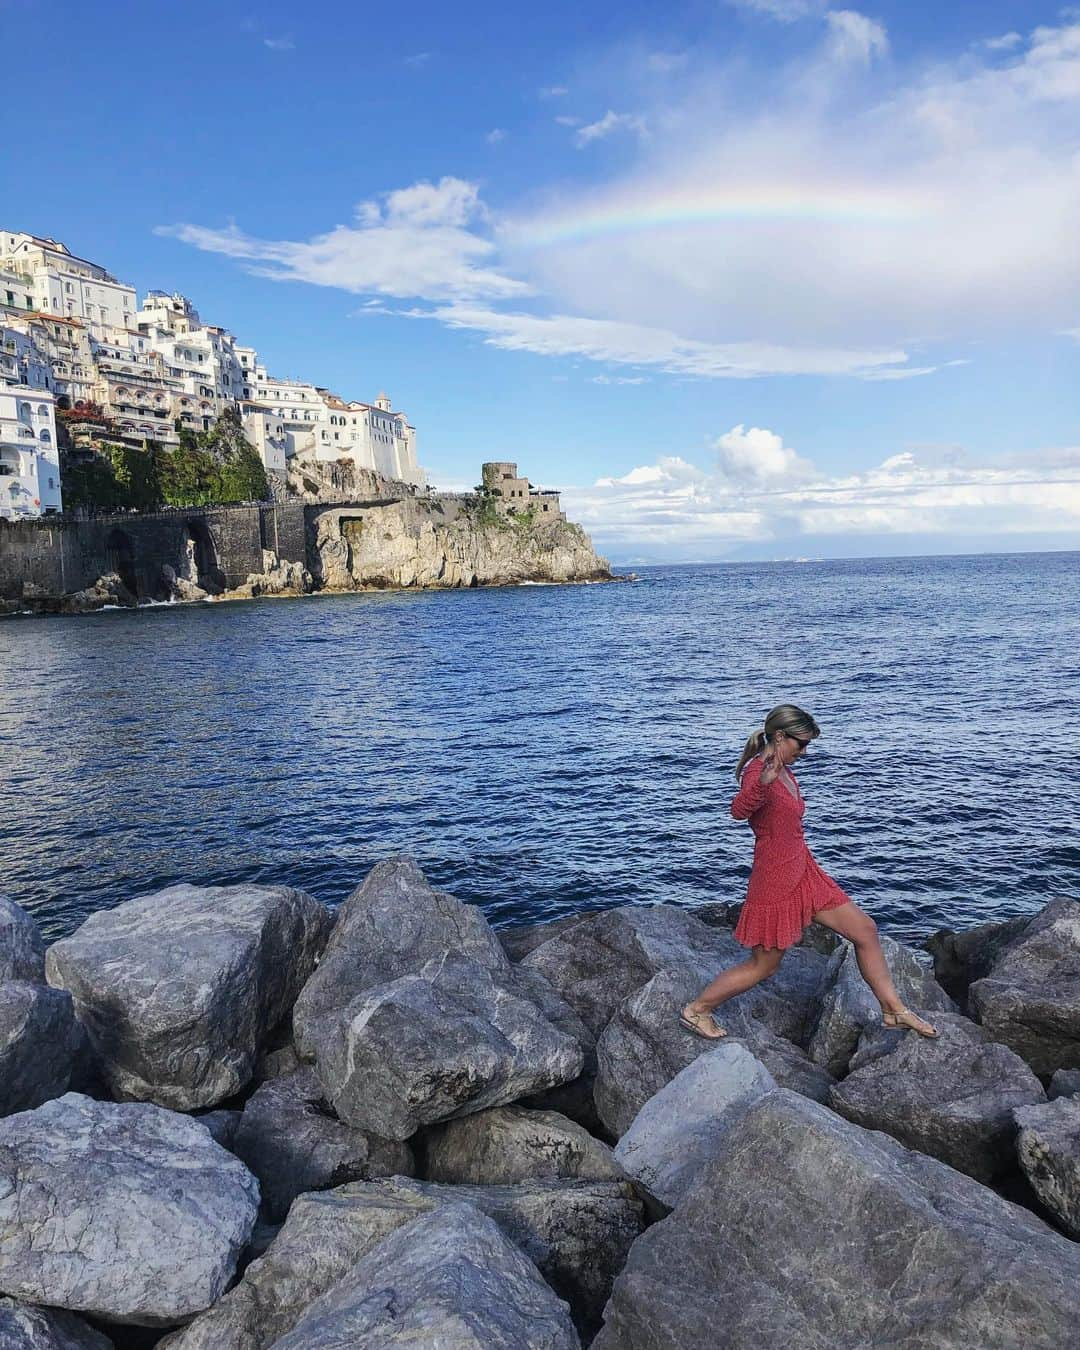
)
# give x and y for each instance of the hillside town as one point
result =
(77, 349)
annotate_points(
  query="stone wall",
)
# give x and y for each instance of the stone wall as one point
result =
(222, 545)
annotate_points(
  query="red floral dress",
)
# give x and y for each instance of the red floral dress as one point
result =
(787, 887)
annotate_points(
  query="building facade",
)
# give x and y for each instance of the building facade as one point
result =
(29, 460)
(71, 329)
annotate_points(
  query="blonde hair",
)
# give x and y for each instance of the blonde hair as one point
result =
(784, 717)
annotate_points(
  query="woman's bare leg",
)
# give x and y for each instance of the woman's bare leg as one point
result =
(861, 931)
(738, 979)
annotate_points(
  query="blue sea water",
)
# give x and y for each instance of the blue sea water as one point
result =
(543, 750)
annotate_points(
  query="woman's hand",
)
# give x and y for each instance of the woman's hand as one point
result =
(772, 763)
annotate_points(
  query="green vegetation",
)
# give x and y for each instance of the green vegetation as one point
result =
(207, 468)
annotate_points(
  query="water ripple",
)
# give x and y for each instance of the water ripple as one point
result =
(547, 749)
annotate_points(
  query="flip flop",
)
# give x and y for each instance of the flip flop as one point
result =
(694, 1021)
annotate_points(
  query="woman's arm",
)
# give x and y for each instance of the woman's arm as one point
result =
(751, 794)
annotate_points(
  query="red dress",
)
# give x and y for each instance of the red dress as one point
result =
(787, 887)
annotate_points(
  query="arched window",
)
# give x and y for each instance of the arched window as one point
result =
(43, 409)
(44, 435)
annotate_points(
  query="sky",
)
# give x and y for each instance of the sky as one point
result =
(742, 278)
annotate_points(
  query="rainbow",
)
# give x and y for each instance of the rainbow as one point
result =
(832, 205)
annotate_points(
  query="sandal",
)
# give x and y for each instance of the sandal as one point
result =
(906, 1020)
(697, 1022)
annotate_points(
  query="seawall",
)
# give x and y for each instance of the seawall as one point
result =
(58, 564)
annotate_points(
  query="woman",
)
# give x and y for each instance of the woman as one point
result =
(787, 889)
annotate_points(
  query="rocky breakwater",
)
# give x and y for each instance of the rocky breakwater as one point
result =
(228, 1122)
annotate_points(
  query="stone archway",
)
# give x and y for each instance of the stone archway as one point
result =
(120, 552)
(198, 562)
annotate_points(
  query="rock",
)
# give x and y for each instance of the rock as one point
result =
(292, 1141)
(520, 940)
(222, 1126)
(277, 1063)
(573, 1099)
(389, 927)
(453, 1039)
(39, 1044)
(128, 1212)
(25, 1327)
(952, 1097)
(679, 1129)
(509, 1144)
(805, 1230)
(1030, 1001)
(960, 958)
(726, 914)
(597, 964)
(577, 1232)
(449, 1278)
(181, 990)
(1049, 1151)
(847, 1005)
(278, 577)
(1064, 1083)
(22, 951)
(181, 589)
(107, 592)
(644, 1047)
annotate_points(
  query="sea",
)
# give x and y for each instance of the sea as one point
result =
(546, 750)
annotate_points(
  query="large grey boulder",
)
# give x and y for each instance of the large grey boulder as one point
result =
(452, 1039)
(1030, 1001)
(600, 962)
(509, 1144)
(391, 926)
(129, 1212)
(449, 1278)
(680, 1129)
(847, 1005)
(40, 1041)
(22, 951)
(968, 955)
(805, 1230)
(952, 1097)
(1049, 1151)
(578, 1233)
(25, 1327)
(1064, 1083)
(180, 990)
(644, 1047)
(292, 1141)
(573, 1099)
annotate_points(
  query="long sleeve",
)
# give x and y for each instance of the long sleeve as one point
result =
(751, 794)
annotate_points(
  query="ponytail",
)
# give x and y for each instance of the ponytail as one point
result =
(754, 746)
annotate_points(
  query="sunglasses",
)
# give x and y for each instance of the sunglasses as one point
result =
(798, 740)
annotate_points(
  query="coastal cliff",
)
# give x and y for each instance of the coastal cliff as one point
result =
(391, 539)
(412, 543)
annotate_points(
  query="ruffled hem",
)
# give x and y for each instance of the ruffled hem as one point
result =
(779, 926)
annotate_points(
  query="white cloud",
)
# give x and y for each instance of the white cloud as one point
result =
(495, 136)
(418, 60)
(553, 91)
(624, 343)
(1007, 42)
(1070, 333)
(619, 379)
(565, 120)
(666, 63)
(418, 241)
(607, 125)
(759, 456)
(787, 11)
(279, 44)
(854, 37)
(672, 509)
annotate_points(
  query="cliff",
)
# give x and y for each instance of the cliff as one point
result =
(412, 543)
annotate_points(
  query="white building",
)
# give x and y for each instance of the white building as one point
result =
(66, 285)
(266, 432)
(29, 462)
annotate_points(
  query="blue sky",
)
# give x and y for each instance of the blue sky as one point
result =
(752, 279)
